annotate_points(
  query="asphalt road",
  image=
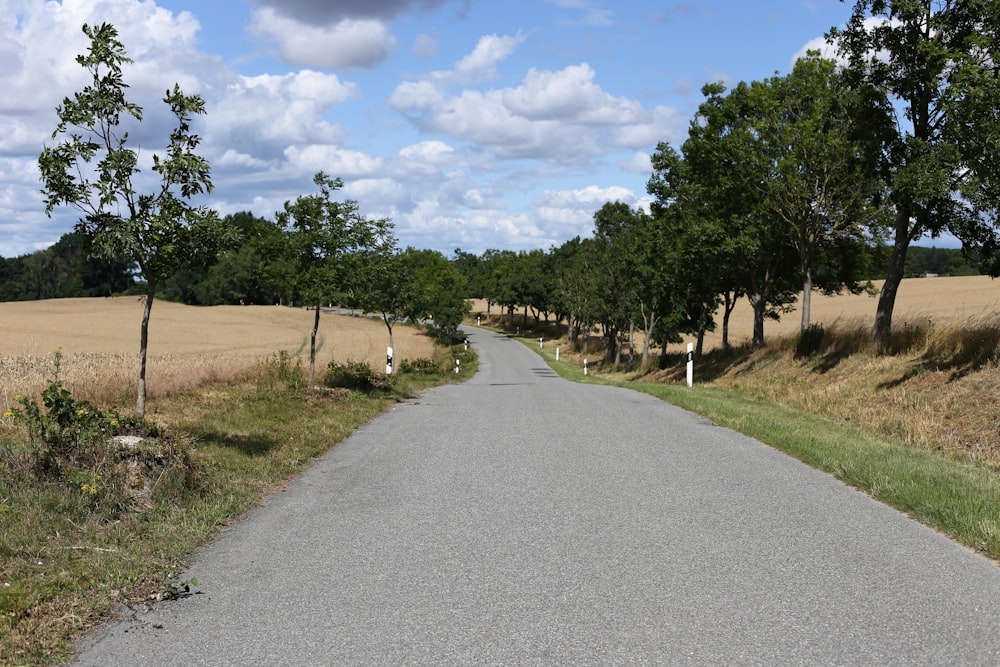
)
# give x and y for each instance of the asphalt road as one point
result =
(520, 519)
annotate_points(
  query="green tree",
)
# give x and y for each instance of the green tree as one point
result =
(383, 287)
(936, 63)
(725, 179)
(576, 265)
(697, 251)
(822, 180)
(94, 171)
(326, 242)
(437, 292)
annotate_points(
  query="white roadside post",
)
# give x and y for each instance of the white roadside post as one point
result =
(557, 353)
(479, 321)
(690, 365)
(458, 362)
(466, 344)
(539, 343)
(388, 361)
(584, 366)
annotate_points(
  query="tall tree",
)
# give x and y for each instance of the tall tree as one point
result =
(326, 241)
(698, 252)
(938, 64)
(730, 163)
(822, 182)
(94, 171)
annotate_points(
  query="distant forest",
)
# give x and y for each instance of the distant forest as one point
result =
(64, 270)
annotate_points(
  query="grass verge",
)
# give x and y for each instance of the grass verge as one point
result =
(69, 557)
(958, 498)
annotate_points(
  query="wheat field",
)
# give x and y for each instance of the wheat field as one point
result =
(98, 340)
(938, 301)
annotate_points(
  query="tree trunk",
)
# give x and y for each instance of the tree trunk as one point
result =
(882, 329)
(312, 348)
(759, 310)
(388, 325)
(650, 324)
(730, 303)
(807, 287)
(140, 401)
(702, 326)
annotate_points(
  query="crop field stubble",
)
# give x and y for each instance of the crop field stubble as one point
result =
(188, 346)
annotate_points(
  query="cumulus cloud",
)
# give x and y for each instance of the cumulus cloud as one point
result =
(261, 115)
(480, 65)
(347, 44)
(559, 115)
(569, 95)
(637, 164)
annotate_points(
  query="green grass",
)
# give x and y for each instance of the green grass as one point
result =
(960, 499)
(66, 563)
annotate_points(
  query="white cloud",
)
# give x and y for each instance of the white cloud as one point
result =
(637, 164)
(335, 161)
(262, 115)
(569, 95)
(347, 44)
(480, 65)
(432, 152)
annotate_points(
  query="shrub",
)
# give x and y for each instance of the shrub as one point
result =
(73, 444)
(356, 375)
(419, 367)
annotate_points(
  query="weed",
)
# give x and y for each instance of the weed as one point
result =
(356, 375)
(420, 367)
(809, 341)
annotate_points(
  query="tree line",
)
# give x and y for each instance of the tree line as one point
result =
(782, 187)
(815, 180)
(318, 250)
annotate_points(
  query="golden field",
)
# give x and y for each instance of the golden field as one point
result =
(940, 301)
(188, 346)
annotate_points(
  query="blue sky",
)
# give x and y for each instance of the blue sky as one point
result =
(472, 124)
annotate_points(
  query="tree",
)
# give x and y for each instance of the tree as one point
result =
(939, 64)
(727, 167)
(94, 171)
(822, 181)
(383, 287)
(436, 292)
(326, 242)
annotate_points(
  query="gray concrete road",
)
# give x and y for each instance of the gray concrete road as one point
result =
(520, 519)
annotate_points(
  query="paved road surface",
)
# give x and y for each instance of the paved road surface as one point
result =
(523, 520)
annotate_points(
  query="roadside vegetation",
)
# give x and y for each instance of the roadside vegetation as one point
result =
(917, 429)
(92, 522)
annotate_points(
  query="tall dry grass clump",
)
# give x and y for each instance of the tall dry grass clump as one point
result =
(936, 388)
(110, 379)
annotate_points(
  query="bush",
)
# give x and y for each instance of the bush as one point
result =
(356, 375)
(74, 444)
(419, 367)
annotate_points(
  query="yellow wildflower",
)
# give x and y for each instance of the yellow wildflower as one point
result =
(8, 414)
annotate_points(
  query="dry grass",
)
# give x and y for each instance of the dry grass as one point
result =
(938, 391)
(922, 301)
(188, 346)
